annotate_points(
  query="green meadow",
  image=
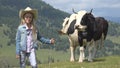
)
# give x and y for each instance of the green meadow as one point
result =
(56, 59)
(50, 58)
(104, 62)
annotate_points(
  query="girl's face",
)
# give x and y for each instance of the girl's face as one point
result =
(28, 17)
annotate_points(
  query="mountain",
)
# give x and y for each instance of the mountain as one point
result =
(113, 19)
(49, 20)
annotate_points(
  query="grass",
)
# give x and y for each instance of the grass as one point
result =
(3, 38)
(61, 58)
(7, 55)
(104, 62)
(44, 54)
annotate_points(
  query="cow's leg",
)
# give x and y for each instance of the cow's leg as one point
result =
(90, 53)
(72, 49)
(95, 47)
(90, 49)
(82, 55)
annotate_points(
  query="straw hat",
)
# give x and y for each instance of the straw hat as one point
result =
(28, 9)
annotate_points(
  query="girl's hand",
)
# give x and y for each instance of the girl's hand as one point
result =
(52, 40)
(17, 56)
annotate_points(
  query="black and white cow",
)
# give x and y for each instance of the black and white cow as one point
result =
(95, 31)
(69, 29)
(84, 29)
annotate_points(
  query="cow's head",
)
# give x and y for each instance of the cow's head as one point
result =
(68, 25)
(87, 21)
(79, 17)
(64, 26)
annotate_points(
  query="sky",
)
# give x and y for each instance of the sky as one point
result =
(100, 7)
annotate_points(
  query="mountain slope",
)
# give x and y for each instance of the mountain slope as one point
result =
(113, 19)
(49, 20)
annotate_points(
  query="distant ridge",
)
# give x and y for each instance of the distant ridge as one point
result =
(113, 19)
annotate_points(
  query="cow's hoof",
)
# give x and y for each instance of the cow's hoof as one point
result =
(72, 61)
(90, 60)
(80, 61)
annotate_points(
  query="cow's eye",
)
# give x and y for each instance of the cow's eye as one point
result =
(66, 23)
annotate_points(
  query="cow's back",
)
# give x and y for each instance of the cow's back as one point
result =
(102, 27)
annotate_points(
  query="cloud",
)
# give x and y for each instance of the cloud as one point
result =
(102, 5)
(84, 3)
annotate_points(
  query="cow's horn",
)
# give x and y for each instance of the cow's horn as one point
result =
(74, 11)
(91, 10)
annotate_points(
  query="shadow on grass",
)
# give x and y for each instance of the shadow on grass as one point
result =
(95, 60)
(99, 60)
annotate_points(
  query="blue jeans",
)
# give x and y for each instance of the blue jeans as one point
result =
(31, 56)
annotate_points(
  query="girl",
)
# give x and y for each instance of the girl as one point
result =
(27, 36)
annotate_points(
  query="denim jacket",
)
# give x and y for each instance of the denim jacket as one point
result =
(21, 39)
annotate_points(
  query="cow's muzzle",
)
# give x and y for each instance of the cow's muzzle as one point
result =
(61, 33)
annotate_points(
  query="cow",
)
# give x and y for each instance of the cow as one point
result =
(95, 31)
(84, 29)
(69, 29)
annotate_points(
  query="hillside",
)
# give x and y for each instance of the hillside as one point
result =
(49, 22)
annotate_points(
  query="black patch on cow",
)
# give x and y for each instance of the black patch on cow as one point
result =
(71, 27)
(81, 35)
(95, 27)
(66, 22)
(89, 21)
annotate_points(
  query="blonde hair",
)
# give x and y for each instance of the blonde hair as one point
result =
(34, 30)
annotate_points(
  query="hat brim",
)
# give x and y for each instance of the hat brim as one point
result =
(33, 11)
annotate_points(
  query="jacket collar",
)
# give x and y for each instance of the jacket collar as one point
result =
(26, 27)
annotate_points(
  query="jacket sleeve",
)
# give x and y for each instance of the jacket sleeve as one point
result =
(18, 37)
(42, 39)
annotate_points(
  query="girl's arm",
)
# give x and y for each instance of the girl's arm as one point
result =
(18, 36)
(43, 39)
